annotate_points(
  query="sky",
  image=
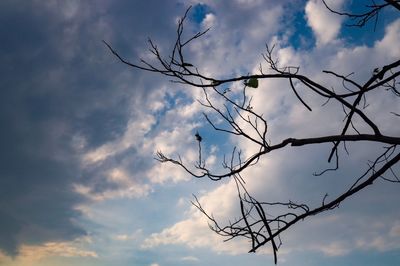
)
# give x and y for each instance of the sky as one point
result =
(80, 130)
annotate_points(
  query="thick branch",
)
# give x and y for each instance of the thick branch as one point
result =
(334, 202)
(290, 141)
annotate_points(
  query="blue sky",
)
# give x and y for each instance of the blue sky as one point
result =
(79, 131)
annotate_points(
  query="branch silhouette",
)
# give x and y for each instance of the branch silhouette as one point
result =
(254, 223)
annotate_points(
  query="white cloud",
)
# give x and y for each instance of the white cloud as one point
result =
(248, 3)
(209, 21)
(285, 115)
(132, 137)
(62, 249)
(37, 254)
(325, 24)
(382, 239)
(189, 258)
(177, 141)
(127, 187)
(333, 249)
(279, 176)
(246, 37)
(161, 173)
(129, 237)
(194, 231)
(392, 35)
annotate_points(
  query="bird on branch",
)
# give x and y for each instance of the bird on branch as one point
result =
(198, 137)
(378, 72)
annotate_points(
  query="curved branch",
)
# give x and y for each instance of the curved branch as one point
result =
(289, 141)
(334, 202)
(255, 223)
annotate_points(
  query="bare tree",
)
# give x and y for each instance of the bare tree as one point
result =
(256, 223)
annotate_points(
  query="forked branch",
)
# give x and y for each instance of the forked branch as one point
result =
(256, 222)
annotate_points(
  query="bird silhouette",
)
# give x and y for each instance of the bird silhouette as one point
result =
(378, 72)
(198, 137)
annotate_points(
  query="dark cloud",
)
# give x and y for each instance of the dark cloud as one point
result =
(58, 80)
(34, 190)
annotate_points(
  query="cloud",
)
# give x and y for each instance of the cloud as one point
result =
(132, 137)
(62, 249)
(278, 178)
(383, 238)
(124, 187)
(194, 231)
(129, 237)
(243, 35)
(164, 126)
(325, 24)
(395, 230)
(189, 258)
(80, 129)
(37, 113)
(72, 99)
(392, 34)
(334, 249)
(36, 254)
